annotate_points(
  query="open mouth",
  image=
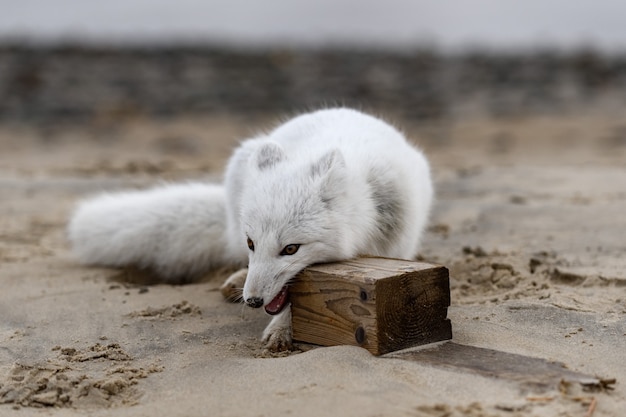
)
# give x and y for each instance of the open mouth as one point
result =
(279, 302)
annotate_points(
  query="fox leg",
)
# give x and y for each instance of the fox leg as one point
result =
(232, 288)
(277, 335)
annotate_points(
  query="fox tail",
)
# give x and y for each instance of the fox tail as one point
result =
(175, 231)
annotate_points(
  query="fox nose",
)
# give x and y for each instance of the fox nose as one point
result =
(254, 302)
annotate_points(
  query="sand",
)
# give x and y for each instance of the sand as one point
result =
(529, 219)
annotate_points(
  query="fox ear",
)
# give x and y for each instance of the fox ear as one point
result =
(268, 155)
(331, 160)
(330, 169)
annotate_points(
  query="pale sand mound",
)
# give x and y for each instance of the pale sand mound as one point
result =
(529, 219)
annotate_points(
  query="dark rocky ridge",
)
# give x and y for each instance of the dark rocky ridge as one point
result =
(79, 83)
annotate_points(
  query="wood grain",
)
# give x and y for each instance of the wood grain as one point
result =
(380, 304)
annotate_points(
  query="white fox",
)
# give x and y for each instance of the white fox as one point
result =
(325, 186)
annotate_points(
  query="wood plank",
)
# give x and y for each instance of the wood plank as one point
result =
(534, 374)
(380, 304)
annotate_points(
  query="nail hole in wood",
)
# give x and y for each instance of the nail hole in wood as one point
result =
(359, 335)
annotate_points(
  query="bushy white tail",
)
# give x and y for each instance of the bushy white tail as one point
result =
(177, 231)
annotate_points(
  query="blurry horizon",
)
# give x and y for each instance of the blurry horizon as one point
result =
(395, 24)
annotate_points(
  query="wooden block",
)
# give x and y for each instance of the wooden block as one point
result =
(379, 304)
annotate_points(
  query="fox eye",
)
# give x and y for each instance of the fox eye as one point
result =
(250, 244)
(290, 249)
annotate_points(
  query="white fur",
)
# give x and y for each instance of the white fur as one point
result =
(337, 182)
(176, 230)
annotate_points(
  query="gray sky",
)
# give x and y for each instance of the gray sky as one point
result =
(389, 23)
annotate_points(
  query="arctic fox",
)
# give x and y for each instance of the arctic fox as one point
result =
(325, 186)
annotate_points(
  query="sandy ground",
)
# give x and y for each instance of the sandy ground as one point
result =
(529, 220)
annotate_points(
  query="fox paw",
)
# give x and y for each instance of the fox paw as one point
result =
(277, 335)
(232, 288)
(278, 339)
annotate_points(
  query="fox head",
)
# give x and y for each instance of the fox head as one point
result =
(291, 209)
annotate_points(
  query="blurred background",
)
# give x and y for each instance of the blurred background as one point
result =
(73, 60)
